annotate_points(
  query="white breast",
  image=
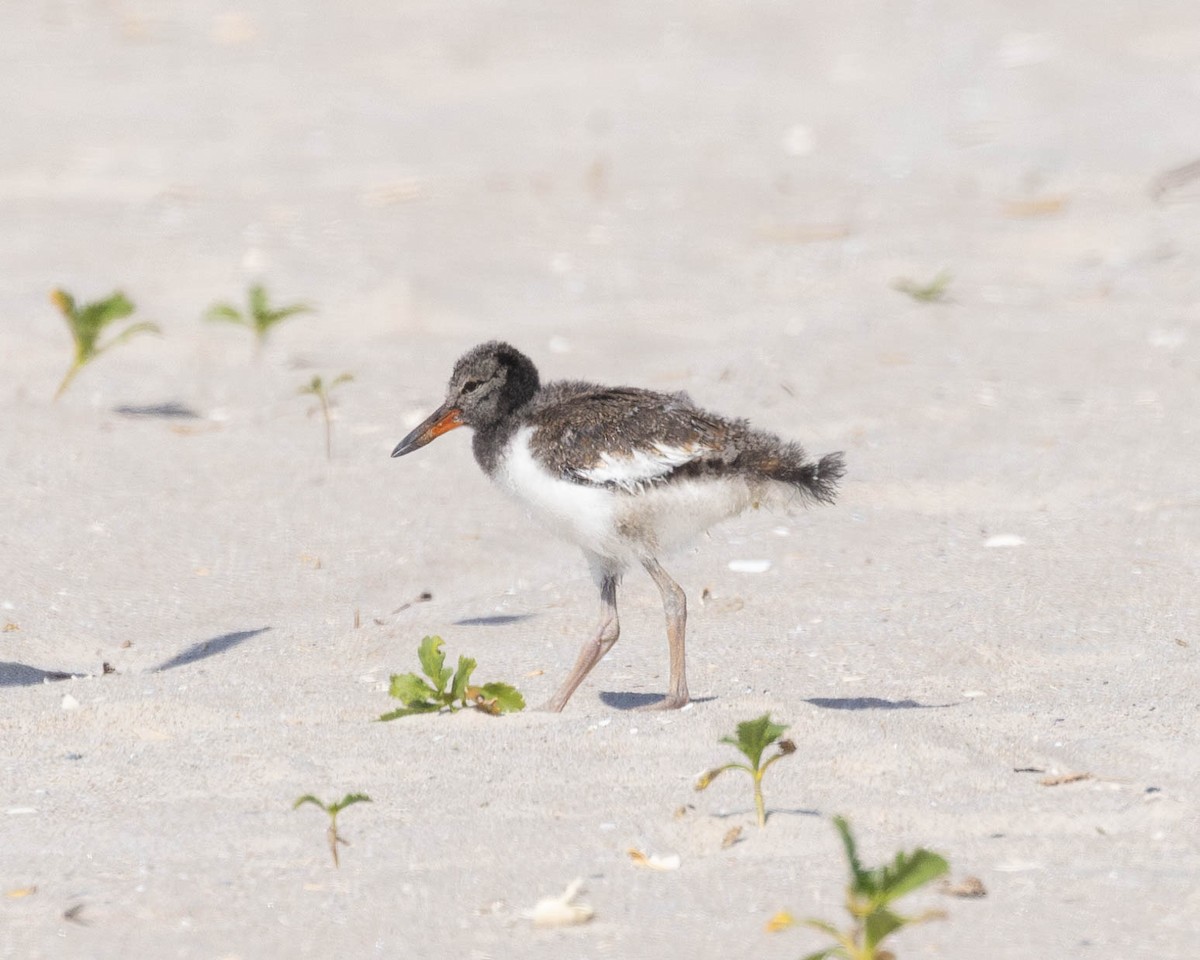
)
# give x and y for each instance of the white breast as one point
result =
(575, 511)
(620, 525)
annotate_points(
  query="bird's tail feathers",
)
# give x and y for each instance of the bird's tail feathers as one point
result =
(787, 463)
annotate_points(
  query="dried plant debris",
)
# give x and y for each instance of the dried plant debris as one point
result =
(1036, 207)
(732, 835)
(17, 893)
(423, 597)
(1063, 778)
(969, 888)
(781, 921)
(655, 861)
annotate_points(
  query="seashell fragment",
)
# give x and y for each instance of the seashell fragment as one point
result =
(561, 911)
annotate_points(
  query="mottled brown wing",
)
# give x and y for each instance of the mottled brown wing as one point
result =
(625, 437)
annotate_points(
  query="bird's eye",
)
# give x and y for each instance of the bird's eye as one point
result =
(471, 386)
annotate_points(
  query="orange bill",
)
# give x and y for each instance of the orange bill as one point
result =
(442, 420)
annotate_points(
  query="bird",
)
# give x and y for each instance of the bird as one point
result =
(625, 473)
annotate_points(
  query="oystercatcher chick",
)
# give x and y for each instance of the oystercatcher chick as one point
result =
(627, 474)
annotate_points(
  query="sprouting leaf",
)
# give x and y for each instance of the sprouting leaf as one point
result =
(317, 387)
(909, 871)
(878, 924)
(334, 838)
(821, 925)
(224, 312)
(349, 800)
(501, 698)
(462, 676)
(861, 879)
(410, 711)
(869, 892)
(930, 292)
(88, 322)
(432, 661)
(409, 688)
(754, 736)
(259, 317)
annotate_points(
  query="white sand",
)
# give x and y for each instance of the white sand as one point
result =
(715, 198)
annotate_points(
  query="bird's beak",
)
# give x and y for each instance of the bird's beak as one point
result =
(443, 419)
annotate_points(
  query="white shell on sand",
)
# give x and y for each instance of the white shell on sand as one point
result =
(561, 911)
(749, 566)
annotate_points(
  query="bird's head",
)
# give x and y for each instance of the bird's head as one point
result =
(489, 382)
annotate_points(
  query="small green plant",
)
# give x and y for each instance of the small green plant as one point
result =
(320, 389)
(869, 897)
(931, 292)
(87, 322)
(419, 696)
(259, 315)
(333, 809)
(753, 737)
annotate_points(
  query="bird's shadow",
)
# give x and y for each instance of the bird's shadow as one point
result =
(23, 675)
(771, 812)
(208, 648)
(499, 620)
(873, 703)
(171, 410)
(638, 701)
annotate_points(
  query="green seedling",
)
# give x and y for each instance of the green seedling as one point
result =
(87, 322)
(333, 809)
(419, 696)
(869, 897)
(259, 315)
(931, 292)
(753, 738)
(320, 389)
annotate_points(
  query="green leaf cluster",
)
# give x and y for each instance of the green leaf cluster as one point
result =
(446, 689)
(88, 322)
(318, 388)
(753, 738)
(869, 895)
(259, 315)
(930, 292)
(333, 809)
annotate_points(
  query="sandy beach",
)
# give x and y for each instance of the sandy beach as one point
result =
(201, 612)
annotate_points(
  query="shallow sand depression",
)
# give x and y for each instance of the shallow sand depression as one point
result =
(720, 200)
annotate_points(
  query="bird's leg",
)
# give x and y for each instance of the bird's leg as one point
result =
(675, 607)
(593, 649)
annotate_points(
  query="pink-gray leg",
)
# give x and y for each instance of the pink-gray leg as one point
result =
(594, 649)
(675, 607)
